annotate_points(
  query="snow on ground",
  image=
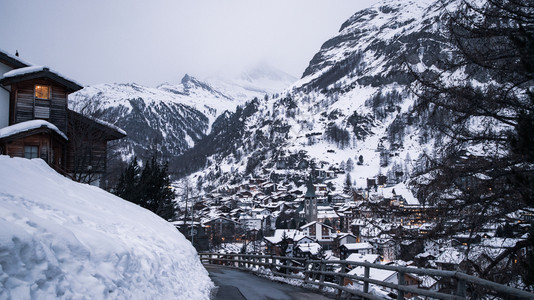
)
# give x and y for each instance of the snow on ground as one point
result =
(61, 239)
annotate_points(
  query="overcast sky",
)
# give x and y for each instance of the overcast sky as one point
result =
(154, 41)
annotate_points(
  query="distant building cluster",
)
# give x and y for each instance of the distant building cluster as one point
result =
(380, 224)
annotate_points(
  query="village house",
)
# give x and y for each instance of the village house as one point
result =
(308, 250)
(342, 239)
(221, 228)
(320, 232)
(327, 215)
(285, 238)
(36, 122)
(347, 249)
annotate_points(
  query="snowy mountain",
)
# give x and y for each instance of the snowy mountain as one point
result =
(152, 118)
(172, 117)
(257, 81)
(353, 102)
(62, 239)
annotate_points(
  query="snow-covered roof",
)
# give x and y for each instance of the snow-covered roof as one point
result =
(498, 242)
(27, 126)
(313, 223)
(12, 60)
(343, 234)
(312, 248)
(402, 190)
(290, 233)
(356, 257)
(377, 274)
(22, 72)
(104, 123)
(326, 212)
(220, 218)
(358, 246)
(182, 222)
(450, 256)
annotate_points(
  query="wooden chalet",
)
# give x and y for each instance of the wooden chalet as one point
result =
(35, 122)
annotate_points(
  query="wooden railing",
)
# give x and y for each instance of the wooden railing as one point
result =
(320, 272)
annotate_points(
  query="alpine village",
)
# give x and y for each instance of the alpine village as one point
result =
(398, 146)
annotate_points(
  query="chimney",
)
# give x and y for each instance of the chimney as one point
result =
(17, 53)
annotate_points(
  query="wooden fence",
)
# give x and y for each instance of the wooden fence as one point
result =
(321, 273)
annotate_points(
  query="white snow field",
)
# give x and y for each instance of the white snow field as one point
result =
(62, 239)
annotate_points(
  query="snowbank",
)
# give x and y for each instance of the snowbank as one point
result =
(63, 239)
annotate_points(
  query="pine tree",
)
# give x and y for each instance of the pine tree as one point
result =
(349, 166)
(150, 188)
(128, 182)
(347, 188)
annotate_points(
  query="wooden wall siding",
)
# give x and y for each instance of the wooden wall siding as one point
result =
(42, 109)
(58, 108)
(16, 148)
(24, 104)
(50, 149)
(28, 108)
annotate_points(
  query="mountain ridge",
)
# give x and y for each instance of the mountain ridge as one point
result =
(167, 119)
(353, 100)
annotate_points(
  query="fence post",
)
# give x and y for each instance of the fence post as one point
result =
(341, 280)
(316, 267)
(287, 263)
(321, 277)
(461, 288)
(366, 283)
(400, 278)
(306, 273)
(272, 264)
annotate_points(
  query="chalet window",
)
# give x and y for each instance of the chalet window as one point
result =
(42, 92)
(31, 152)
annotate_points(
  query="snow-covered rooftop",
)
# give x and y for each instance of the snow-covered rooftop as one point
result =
(102, 122)
(356, 257)
(289, 233)
(35, 69)
(27, 126)
(402, 190)
(14, 57)
(312, 248)
(358, 246)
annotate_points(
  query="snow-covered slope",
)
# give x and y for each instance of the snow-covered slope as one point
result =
(174, 116)
(353, 101)
(61, 239)
(153, 119)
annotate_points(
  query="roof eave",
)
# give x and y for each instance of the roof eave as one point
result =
(12, 62)
(45, 73)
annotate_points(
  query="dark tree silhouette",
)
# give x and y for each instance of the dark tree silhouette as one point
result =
(482, 103)
(149, 187)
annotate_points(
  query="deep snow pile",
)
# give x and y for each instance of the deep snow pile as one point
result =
(63, 239)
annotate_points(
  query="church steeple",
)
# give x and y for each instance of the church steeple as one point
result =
(310, 190)
(310, 203)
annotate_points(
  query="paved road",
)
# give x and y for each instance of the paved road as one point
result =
(237, 285)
